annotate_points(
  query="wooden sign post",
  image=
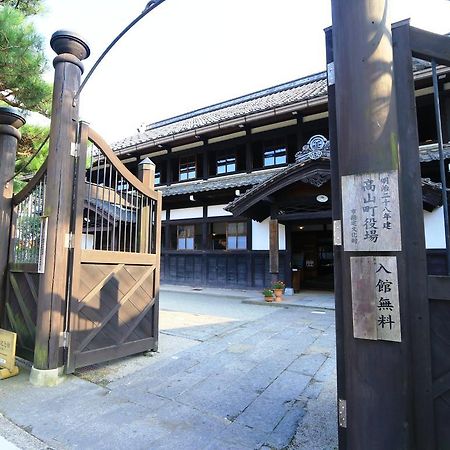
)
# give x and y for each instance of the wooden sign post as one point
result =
(380, 260)
(8, 366)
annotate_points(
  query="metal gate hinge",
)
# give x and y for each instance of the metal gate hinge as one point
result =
(69, 241)
(74, 149)
(337, 232)
(64, 339)
(342, 413)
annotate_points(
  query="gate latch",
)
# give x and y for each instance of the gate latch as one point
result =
(64, 339)
(342, 413)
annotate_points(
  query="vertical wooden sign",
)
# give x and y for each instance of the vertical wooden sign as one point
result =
(375, 300)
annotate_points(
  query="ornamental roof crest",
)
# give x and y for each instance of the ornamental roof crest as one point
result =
(317, 147)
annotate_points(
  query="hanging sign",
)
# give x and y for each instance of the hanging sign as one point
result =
(371, 212)
(375, 301)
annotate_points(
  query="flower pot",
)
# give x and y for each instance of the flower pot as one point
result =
(268, 299)
(278, 294)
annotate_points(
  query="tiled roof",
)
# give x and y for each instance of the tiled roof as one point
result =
(427, 153)
(212, 184)
(306, 88)
(266, 99)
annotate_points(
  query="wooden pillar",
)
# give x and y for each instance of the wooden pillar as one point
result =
(10, 121)
(146, 174)
(52, 299)
(376, 396)
(249, 153)
(274, 246)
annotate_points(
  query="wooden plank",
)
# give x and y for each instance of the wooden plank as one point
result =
(95, 290)
(32, 287)
(23, 306)
(138, 320)
(426, 45)
(108, 257)
(439, 287)
(82, 359)
(100, 325)
(23, 267)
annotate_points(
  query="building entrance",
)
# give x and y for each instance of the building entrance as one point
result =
(312, 256)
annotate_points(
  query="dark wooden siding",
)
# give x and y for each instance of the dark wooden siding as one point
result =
(230, 269)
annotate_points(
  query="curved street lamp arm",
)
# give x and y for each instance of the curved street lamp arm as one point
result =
(151, 5)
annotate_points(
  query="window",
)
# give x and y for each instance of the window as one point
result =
(237, 236)
(157, 178)
(229, 236)
(275, 156)
(187, 169)
(188, 237)
(226, 164)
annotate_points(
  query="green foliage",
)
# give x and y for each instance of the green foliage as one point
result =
(26, 7)
(267, 292)
(22, 59)
(32, 138)
(278, 285)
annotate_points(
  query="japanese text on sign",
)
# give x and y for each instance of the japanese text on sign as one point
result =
(371, 216)
(7, 349)
(375, 301)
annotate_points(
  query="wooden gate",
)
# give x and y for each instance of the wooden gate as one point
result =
(25, 262)
(113, 309)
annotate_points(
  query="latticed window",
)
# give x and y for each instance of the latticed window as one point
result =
(275, 156)
(226, 164)
(236, 236)
(185, 240)
(187, 169)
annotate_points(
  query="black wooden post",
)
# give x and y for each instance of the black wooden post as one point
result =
(10, 121)
(377, 399)
(52, 297)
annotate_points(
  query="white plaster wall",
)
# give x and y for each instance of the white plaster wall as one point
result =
(434, 228)
(217, 211)
(186, 213)
(260, 235)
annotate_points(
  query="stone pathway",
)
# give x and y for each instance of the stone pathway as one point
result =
(229, 376)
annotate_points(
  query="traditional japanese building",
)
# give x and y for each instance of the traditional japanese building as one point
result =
(228, 170)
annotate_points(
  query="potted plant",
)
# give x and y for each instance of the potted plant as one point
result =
(278, 289)
(268, 295)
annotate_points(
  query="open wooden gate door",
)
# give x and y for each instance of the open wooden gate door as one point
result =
(113, 310)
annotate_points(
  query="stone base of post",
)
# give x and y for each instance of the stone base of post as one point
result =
(47, 378)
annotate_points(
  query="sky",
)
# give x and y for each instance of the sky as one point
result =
(187, 54)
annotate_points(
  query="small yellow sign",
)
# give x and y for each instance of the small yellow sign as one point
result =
(8, 341)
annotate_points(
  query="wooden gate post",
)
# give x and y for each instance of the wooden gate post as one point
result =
(10, 121)
(52, 299)
(146, 174)
(381, 263)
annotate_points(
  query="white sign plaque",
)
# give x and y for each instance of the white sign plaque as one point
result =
(371, 212)
(375, 301)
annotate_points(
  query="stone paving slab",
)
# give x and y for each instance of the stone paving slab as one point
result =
(244, 386)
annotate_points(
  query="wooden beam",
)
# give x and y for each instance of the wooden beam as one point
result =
(274, 256)
(426, 45)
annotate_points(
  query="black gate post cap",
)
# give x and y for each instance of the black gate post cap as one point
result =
(10, 116)
(64, 41)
